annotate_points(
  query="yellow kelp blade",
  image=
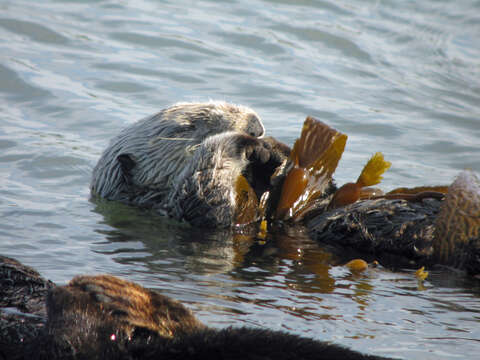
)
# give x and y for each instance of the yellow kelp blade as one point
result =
(371, 175)
(319, 147)
(314, 158)
(372, 172)
(421, 274)
(246, 200)
(315, 139)
(262, 231)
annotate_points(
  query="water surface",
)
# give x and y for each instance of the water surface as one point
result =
(400, 77)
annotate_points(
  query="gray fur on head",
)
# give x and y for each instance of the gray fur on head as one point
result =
(141, 166)
(159, 145)
(205, 192)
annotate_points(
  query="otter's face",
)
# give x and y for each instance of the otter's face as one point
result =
(254, 126)
(215, 117)
(231, 117)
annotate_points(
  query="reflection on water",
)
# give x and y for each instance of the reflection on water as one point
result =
(397, 77)
(291, 281)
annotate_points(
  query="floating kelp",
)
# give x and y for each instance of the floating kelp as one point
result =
(307, 176)
(357, 265)
(417, 193)
(421, 274)
(424, 225)
(437, 224)
(370, 175)
(419, 189)
(246, 200)
(313, 161)
(410, 233)
(360, 265)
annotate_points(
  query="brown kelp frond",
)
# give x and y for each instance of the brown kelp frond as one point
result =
(314, 158)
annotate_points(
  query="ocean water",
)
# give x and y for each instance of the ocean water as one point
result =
(401, 77)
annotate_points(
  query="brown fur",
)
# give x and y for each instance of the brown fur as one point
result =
(104, 317)
(125, 302)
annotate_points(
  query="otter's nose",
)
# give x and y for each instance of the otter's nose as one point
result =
(254, 126)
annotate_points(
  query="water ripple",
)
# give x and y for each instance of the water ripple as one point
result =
(34, 31)
(397, 77)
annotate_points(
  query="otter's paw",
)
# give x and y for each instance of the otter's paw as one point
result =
(258, 151)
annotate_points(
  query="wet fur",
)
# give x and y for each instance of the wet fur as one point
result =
(184, 162)
(205, 194)
(143, 161)
(104, 317)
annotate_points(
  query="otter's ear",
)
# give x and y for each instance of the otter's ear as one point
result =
(127, 163)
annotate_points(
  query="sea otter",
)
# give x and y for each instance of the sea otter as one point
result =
(209, 194)
(227, 175)
(148, 155)
(104, 317)
(184, 162)
(423, 230)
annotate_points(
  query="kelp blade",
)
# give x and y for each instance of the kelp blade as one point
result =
(371, 175)
(293, 187)
(372, 172)
(419, 189)
(247, 202)
(314, 158)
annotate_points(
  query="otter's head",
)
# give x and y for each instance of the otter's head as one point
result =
(216, 117)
